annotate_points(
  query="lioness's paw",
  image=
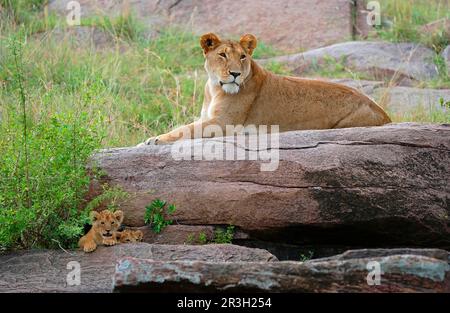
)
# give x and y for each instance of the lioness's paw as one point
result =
(89, 247)
(149, 142)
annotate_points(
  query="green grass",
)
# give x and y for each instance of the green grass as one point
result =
(407, 16)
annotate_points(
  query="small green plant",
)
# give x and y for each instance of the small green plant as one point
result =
(202, 239)
(155, 215)
(224, 236)
(306, 257)
(444, 104)
(190, 239)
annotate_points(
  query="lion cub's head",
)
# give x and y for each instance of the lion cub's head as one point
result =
(129, 235)
(228, 63)
(106, 223)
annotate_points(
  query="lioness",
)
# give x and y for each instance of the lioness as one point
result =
(240, 92)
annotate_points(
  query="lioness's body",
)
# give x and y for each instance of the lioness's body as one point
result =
(292, 103)
(240, 92)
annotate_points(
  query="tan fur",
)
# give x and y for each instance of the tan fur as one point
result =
(129, 235)
(259, 97)
(103, 231)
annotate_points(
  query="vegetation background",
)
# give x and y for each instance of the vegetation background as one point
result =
(60, 101)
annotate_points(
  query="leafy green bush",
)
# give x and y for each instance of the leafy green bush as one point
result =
(155, 215)
(224, 236)
(43, 177)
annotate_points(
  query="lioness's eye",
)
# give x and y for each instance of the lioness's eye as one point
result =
(112, 223)
(223, 55)
(243, 57)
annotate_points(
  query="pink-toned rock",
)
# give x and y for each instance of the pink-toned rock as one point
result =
(379, 185)
(291, 25)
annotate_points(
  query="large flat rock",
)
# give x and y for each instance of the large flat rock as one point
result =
(399, 271)
(47, 270)
(286, 24)
(357, 186)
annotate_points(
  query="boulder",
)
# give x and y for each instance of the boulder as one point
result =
(285, 24)
(354, 271)
(47, 270)
(405, 63)
(446, 56)
(436, 27)
(358, 186)
(400, 100)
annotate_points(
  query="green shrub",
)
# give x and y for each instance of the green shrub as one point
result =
(155, 215)
(43, 177)
(222, 236)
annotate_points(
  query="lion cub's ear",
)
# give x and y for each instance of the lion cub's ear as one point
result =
(249, 43)
(119, 215)
(209, 42)
(95, 216)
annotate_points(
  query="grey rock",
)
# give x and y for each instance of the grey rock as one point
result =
(446, 56)
(405, 63)
(400, 271)
(47, 270)
(400, 100)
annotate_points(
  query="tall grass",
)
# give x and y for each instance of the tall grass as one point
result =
(406, 18)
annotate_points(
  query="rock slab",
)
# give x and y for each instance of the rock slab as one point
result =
(358, 186)
(48, 270)
(399, 271)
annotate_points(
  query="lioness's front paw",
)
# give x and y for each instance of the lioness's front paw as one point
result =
(89, 247)
(150, 141)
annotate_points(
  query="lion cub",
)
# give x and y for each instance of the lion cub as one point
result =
(104, 228)
(129, 235)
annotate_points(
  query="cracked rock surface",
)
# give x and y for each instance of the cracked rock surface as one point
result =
(369, 186)
(401, 270)
(47, 270)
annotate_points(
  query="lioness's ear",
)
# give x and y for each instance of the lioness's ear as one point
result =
(249, 42)
(209, 42)
(95, 216)
(119, 216)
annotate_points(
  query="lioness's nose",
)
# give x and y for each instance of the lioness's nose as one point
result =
(235, 74)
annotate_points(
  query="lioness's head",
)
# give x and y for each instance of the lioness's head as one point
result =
(106, 222)
(228, 63)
